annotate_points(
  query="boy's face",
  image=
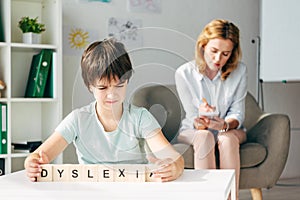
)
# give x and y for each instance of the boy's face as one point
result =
(110, 94)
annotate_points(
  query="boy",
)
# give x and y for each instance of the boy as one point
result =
(108, 130)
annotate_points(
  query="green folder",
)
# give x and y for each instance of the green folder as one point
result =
(39, 73)
(3, 128)
(49, 90)
(1, 25)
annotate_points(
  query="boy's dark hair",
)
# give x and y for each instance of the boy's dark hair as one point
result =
(105, 59)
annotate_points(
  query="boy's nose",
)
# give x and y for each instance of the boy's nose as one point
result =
(110, 95)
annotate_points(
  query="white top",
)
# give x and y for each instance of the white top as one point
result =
(95, 145)
(228, 96)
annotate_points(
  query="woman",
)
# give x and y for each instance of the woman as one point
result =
(216, 84)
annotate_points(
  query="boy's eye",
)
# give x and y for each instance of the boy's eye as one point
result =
(119, 86)
(101, 88)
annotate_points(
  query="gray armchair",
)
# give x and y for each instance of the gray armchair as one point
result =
(263, 156)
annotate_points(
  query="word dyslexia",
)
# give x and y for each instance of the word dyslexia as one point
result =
(97, 173)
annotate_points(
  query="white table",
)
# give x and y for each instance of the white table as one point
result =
(200, 184)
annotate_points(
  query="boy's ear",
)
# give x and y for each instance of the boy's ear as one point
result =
(91, 89)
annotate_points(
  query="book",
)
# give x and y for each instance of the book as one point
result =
(2, 166)
(3, 128)
(39, 73)
(24, 147)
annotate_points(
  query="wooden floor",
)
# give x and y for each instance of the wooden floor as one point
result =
(288, 189)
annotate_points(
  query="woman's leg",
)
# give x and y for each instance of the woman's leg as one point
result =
(229, 151)
(203, 143)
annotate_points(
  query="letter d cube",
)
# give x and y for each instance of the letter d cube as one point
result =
(46, 173)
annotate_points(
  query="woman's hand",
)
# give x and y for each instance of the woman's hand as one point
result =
(205, 107)
(204, 122)
(166, 169)
(200, 123)
(33, 164)
(216, 123)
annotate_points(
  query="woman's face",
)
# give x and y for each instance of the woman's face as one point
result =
(217, 52)
(110, 94)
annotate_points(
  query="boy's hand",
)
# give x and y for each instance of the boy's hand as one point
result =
(33, 164)
(166, 169)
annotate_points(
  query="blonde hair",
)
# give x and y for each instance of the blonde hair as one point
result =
(222, 29)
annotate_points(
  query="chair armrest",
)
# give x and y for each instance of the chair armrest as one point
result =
(270, 130)
(273, 132)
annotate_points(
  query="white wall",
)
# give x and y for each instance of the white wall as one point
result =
(186, 18)
(180, 23)
(284, 98)
(172, 40)
(279, 61)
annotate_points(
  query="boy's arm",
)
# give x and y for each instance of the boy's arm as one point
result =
(53, 146)
(44, 154)
(170, 162)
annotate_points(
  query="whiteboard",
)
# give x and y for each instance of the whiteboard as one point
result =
(280, 45)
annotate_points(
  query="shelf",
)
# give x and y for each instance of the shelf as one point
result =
(32, 100)
(14, 155)
(3, 100)
(19, 155)
(33, 46)
(47, 13)
(4, 155)
(29, 119)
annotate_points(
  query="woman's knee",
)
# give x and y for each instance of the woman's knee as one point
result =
(227, 140)
(204, 139)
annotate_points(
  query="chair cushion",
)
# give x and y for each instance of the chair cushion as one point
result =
(252, 154)
(187, 153)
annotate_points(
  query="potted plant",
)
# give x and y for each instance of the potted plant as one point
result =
(31, 29)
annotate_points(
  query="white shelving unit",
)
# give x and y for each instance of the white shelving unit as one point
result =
(29, 119)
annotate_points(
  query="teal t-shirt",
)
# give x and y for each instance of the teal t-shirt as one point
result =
(95, 145)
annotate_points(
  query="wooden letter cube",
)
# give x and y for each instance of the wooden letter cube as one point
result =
(75, 172)
(46, 173)
(90, 172)
(60, 173)
(149, 175)
(129, 173)
(105, 173)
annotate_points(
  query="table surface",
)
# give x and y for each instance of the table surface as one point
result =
(203, 184)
